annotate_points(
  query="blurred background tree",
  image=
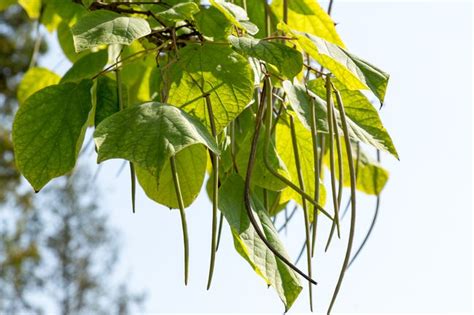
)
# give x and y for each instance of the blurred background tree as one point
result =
(57, 250)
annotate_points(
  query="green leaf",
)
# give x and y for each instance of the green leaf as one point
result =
(249, 245)
(148, 135)
(32, 8)
(191, 167)
(375, 78)
(212, 24)
(86, 67)
(308, 16)
(106, 99)
(48, 131)
(354, 73)
(104, 27)
(288, 60)
(217, 70)
(236, 15)
(364, 123)
(34, 80)
(179, 12)
(284, 147)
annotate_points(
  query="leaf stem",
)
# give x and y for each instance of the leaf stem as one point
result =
(350, 161)
(184, 225)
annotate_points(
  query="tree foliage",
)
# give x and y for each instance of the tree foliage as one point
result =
(57, 249)
(268, 89)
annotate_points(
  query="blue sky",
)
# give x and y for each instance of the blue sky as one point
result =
(420, 256)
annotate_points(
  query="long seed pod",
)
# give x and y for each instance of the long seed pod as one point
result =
(314, 140)
(340, 181)
(305, 209)
(372, 224)
(352, 176)
(184, 225)
(248, 177)
(215, 187)
(219, 232)
(346, 209)
(331, 153)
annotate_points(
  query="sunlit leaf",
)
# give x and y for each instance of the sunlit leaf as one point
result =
(287, 60)
(35, 79)
(364, 122)
(60, 11)
(236, 15)
(308, 16)
(213, 69)
(352, 72)
(32, 8)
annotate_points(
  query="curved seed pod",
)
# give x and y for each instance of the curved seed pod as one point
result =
(219, 232)
(350, 160)
(215, 166)
(184, 225)
(346, 209)
(331, 156)
(372, 224)
(340, 183)
(305, 210)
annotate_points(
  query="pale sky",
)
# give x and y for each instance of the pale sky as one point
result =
(419, 258)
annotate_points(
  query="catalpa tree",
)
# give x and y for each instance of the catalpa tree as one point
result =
(262, 97)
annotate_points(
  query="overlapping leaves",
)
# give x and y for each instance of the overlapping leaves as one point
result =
(205, 64)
